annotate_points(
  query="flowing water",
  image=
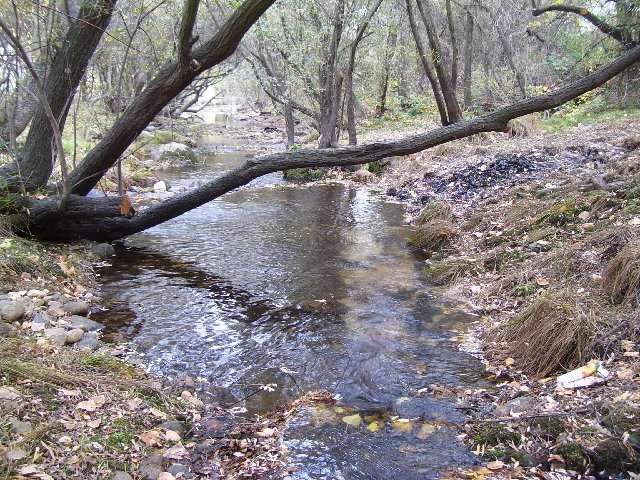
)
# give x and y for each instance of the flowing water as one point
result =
(306, 288)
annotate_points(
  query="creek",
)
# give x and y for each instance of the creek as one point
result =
(307, 288)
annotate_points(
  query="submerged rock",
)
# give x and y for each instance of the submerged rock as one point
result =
(103, 250)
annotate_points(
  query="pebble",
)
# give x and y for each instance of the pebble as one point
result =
(12, 311)
(517, 405)
(74, 336)
(177, 468)
(121, 476)
(36, 293)
(185, 381)
(174, 425)
(41, 317)
(85, 323)
(56, 336)
(76, 308)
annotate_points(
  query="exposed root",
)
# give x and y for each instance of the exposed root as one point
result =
(621, 278)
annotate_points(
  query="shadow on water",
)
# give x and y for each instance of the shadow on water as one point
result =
(313, 280)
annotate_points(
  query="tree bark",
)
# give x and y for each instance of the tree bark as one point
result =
(35, 163)
(390, 48)
(167, 84)
(468, 61)
(109, 219)
(454, 113)
(427, 66)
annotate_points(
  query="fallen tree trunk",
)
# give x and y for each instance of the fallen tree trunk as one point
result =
(109, 219)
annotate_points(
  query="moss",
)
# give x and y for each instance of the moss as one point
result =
(548, 427)
(493, 434)
(574, 456)
(304, 174)
(613, 458)
(104, 363)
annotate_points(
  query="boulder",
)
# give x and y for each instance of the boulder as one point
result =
(89, 341)
(76, 308)
(103, 250)
(12, 311)
(56, 336)
(174, 153)
(85, 323)
(120, 475)
(160, 187)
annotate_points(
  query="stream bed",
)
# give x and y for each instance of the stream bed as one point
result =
(302, 288)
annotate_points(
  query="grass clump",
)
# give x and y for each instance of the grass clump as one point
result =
(551, 333)
(433, 236)
(304, 174)
(448, 271)
(435, 211)
(621, 278)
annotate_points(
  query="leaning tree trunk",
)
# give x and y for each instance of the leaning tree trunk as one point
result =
(35, 164)
(111, 218)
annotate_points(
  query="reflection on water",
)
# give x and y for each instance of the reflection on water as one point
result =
(315, 280)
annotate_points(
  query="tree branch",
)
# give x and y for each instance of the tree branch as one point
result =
(41, 220)
(600, 24)
(189, 15)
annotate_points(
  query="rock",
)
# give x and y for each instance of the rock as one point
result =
(178, 468)
(174, 425)
(20, 427)
(185, 381)
(392, 191)
(150, 467)
(85, 323)
(160, 187)
(74, 336)
(120, 475)
(76, 308)
(103, 250)
(42, 318)
(166, 476)
(89, 341)
(517, 405)
(174, 153)
(12, 311)
(36, 293)
(56, 336)
(61, 299)
(55, 309)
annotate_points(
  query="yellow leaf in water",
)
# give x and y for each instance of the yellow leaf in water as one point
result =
(338, 409)
(403, 424)
(354, 420)
(374, 426)
(426, 430)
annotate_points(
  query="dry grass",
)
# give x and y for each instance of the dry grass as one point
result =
(435, 211)
(621, 278)
(550, 334)
(448, 271)
(433, 236)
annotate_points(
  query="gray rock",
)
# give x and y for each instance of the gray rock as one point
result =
(85, 323)
(43, 318)
(56, 336)
(160, 187)
(76, 308)
(20, 427)
(150, 467)
(121, 476)
(517, 405)
(174, 425)
(61, 299)
(36, 293)
(103, 250)
(89, 341)
(177, 468)
(185, 381)
(12, 311)
(74, 336)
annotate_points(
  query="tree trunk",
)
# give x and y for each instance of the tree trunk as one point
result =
(290, 125)
(454, 113)
(468, 61)
(110, 219)
(386, 70)
(167, 84)
(35, 164)
(427, 67)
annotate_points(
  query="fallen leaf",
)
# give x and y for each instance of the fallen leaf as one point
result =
(65, 440)
(509, 361)
(176, 452)
(631, 354)
(16, 454)
(94, 423)
(425, 430)
(166, 476)
(134, 403)
(402, 424)
(543, 282)
(29, 470)
(172, 436)
(151, 438)
(92, 404)
(266, 432)
(157, 413)
(496, 465)
(353, 420)
(374, 426)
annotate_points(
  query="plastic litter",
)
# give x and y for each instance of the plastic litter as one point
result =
(590, 374)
